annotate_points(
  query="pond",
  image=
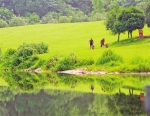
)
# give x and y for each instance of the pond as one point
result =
(48, 94)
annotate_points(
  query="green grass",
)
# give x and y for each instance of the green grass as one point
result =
(67, 38)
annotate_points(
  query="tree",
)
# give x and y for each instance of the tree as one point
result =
(112, 23)
(17, 21)
(132, 19)
(147, 11)
(5, 14)
(3, 23)
(97, 6)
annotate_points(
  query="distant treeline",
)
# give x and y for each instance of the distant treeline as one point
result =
(21, 12)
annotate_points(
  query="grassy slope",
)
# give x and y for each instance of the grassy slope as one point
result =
(64, 39)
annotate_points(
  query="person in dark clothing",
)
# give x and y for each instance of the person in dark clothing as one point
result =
(102, 42)
(91, 43)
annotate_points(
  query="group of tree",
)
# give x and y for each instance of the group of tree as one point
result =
(23, 12)
(120, 20)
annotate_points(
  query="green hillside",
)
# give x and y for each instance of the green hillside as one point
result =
(64, 39)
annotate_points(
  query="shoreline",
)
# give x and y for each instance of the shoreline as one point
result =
(84, 72)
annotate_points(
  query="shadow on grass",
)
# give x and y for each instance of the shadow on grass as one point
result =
(129, 41)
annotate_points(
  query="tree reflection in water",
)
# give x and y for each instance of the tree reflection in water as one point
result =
(125, 105)
(117, 96)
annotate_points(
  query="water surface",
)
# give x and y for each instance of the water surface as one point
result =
(46, 94)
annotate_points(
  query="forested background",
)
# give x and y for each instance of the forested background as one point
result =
(23, 12)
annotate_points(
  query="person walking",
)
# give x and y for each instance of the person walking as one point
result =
(102, 42)
(91, 43)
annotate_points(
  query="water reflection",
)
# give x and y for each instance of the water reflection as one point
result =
(71, 95)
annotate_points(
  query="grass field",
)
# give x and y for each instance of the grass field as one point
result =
(67, 38)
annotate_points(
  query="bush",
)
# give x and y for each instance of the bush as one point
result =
(28, 63)
(140, 65)
(51, 17)
(26, 50)
(65, 63)
(85, 62)
(64, 19)
(79, 16)
(52, 62)
(3, 23)
(109, 58)
(98, 17)
(32, 18)
(17, 21)
(9, 56)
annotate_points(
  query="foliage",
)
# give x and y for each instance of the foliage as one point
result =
(140, 64)
(85, 62)
(3, 23)
(29, 63)
(97, 6)
(17, 21)
(5, 14)
(126, 19)
(147, 12)
(112, 22)
(66, 63)
(28, 49)
(110, 58)
(64, 19)
(50, 17)
(24, 57)
(9, 57)
(32, 18)
(79, 16)
(97, 17)
(132, 19)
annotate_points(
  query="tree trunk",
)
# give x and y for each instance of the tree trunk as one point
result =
(119, 90)
(131, 34)
(118, 36)
(128, 34)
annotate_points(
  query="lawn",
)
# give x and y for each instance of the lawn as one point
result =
(68, 38)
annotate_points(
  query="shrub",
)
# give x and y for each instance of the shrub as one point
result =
(3, 23)
(65, 63)
(79, 16)
(140, 64)
(9, 56)
(109, 58)
(52, 62)
(17, 21)
(85, 62)
(26, 50)
(51, 17)
(64, 19)
(98, 17)
(32, 18)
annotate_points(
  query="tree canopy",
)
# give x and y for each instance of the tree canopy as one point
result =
(120, 20)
